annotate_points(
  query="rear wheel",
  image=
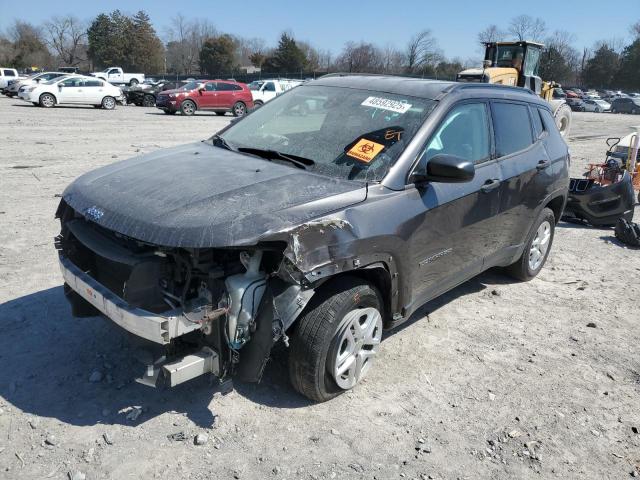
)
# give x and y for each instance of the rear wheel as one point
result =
(47, 100)
(239, 109)
(133, 82)
(336, 340)
(258, 103)
(149, 100)
(537, 249)
(108, 103)
(634, 111)
(188, 108)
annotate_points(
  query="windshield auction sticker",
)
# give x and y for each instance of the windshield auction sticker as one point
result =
(365, 150)
(386, 104)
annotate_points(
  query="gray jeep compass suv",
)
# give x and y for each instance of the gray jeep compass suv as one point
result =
(323, 217)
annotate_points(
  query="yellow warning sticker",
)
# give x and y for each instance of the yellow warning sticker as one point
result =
(365, 150)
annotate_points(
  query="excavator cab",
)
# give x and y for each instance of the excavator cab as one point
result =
(508, 63)
(517, 64)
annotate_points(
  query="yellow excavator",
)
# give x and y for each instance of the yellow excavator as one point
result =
(517, 64)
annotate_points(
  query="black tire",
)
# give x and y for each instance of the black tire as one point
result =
(239, 109)
(148, 100)
(316, 332)
(133, 82)
(169, 112)
(97, 106)
(221, 114)
(258, 103)
(188, 108)
(521, 269)
(108, 103)
(633, 111)
(35, 104)
(613, 110)
(47, 100)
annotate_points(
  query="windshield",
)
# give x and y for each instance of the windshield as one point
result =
(509, 56)
(189, 86)
(348, 133)
(54, 80)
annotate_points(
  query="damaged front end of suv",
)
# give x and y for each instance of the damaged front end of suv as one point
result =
(216, 277)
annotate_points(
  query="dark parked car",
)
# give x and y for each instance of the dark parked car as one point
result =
(146, 97)
(221, 96)
(316, 230)
(576, 104)
(625, 105)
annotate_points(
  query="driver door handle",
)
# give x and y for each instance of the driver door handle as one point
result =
(542, 164)
(490, 185)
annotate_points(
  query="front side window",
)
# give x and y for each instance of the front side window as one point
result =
(464, 133)
(72, 82)
(512, 127)
(348, 133)
(269, 87)
(9, 73)
(113, 71)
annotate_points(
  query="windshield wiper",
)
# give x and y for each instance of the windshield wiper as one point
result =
(218, 141)
(300, 162)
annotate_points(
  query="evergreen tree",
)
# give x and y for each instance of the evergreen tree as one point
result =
(628, 76)
(601, 68)
(217, 56)
(146, 52)
(287, 58)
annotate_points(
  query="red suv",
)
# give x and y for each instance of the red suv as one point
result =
(221, 96)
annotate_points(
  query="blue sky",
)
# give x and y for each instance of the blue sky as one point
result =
(328, 24)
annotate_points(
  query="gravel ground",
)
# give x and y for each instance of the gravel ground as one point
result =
(493, 380)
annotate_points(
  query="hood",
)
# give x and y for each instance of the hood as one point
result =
(174, 91)
(203, 196)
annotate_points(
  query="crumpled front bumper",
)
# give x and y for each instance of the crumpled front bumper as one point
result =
(151, 326)
(600, 205)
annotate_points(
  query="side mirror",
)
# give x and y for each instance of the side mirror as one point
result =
(443, 168)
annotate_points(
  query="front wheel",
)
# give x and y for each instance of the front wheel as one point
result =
(108, 103)
(537, 248)
(239, 109)
(47, 100)
(188, 108)
(336, 340)
(563, 119)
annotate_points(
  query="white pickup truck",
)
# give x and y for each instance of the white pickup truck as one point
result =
(265, 90)
(6, 75)
(116, 76)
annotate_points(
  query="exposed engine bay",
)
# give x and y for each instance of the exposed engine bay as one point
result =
(209, 303)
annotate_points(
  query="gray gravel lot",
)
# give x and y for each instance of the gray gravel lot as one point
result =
(495, 379)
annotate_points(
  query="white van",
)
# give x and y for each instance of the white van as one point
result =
(264, 90)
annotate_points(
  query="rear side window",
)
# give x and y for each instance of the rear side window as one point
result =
(463, 133)
(549, 121)
(93, 83)
(512, 127)
(210, 87)
(227, 87)
(537, 122)
(236, 87)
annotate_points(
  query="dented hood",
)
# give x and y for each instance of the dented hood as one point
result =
(203, 196)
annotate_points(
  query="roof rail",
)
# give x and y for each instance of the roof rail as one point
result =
(465, 85)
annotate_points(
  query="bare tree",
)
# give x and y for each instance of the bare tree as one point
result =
(421, 52)
(392, 59)
(525, 27)
(67, 36)
(635, 30)
(359, 57)
(490, 34)
(185, 42)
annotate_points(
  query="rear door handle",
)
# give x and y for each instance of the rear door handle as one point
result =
(490, 185)
(542, 164)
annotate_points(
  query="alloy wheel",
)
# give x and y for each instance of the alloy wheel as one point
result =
(355, 347)
(539, 245)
